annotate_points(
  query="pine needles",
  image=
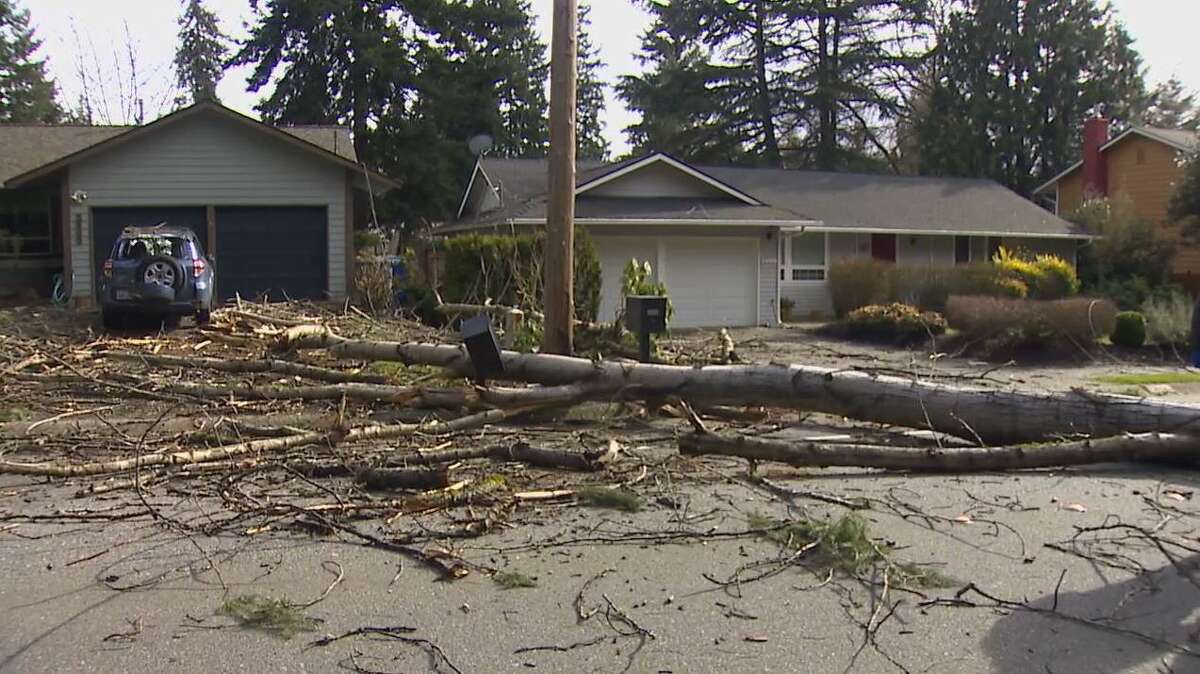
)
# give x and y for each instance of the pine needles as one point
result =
(275, 616)
(607, 497)
(845, 546)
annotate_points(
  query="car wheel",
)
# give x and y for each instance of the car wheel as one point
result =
(112, 319)
(203, 316)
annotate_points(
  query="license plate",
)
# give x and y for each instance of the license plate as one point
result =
(123, 295)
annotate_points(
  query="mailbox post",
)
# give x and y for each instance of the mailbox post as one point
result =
(645, 315)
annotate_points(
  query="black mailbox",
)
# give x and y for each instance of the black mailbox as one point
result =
(646, 314)
(482, 346)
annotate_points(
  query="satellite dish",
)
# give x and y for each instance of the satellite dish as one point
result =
(481, 144)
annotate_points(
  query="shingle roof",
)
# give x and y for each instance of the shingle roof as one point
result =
(839, 200)
(1181, 138)
(25, 147)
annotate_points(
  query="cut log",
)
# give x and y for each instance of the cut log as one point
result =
(379, 479)
(990, 416)
(1142, 447)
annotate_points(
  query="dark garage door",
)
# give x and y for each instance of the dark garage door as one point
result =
(107, 223)
(281, 252)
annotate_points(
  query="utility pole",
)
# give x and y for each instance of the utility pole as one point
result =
(560, 212)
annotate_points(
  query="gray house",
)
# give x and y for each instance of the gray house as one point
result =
(276, 206)
(730, 243)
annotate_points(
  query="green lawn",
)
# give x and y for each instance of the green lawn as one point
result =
(1151, 378)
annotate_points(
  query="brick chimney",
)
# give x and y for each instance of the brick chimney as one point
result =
(1095, 171)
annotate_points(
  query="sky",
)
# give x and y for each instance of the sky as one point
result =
(1164, 31)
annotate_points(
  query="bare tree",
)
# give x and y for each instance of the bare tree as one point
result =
(116, 87)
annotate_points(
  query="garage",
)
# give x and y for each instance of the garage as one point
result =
(278, 252)
(107, 223)
(712, 281)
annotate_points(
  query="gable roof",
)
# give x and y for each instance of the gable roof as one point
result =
(627, 168)
(1180, 139)
(33, 151)
(850, 202)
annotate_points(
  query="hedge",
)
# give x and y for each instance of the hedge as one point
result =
(508, 270)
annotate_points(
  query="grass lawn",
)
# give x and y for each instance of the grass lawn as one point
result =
(1151, 378)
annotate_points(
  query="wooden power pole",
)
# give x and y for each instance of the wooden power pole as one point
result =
(560, 212)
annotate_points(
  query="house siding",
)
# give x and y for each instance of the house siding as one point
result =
(206, 161)
(1145, 171)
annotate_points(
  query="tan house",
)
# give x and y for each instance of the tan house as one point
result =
(1142, 163)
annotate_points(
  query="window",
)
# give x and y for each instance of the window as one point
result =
(25, 223)
(962, 250)
(803, 257)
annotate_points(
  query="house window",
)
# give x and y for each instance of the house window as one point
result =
(803, 257)
(962, 250)
(25, 217)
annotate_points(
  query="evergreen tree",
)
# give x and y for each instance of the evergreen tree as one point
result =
(796, 82)
(1184, 207)
(589, 107)
(27, 94)
(1011, 84)
(413, 80)
(200, 56)
(1169, 105)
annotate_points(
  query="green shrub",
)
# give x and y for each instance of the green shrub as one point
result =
(1020, 323)
(367, 241)
(638, 279)
(1130, 329)
(1169, 319)
(508, 270)
(1057, 280)
(855, 283)
(896, 321)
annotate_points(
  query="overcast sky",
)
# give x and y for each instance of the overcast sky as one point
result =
(1164, 31)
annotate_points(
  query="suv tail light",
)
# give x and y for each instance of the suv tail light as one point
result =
(108, 267)
(198, 267)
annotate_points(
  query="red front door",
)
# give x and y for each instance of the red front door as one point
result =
(883, 247)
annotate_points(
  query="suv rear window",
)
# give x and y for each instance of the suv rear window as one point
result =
(137, 248)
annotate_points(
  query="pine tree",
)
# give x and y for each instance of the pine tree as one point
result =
(589, 106)
(1169, 105)
(27, 94)
(413, 80)
(796, 82)
(1013, 82)
(200, 56)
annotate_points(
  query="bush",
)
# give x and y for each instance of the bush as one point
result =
(1169, 319)
(1058, 278)
(855, 283)
(1018, 323)
(373, 283)
(508, 270)
(895, 321)
(1130, 329)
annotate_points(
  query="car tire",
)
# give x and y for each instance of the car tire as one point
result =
(170, 263)
(112, 319)
(203, 316)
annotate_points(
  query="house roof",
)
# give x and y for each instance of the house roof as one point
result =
(838, 201)
(34, 150)
(1180, 139)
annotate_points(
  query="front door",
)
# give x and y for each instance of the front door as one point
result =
(883, 247)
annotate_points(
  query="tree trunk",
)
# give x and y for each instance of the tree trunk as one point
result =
(957, 459)
(990, 416)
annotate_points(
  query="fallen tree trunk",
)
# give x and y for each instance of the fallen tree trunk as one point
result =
(989, 416)
(1142, 447)
(249, 366)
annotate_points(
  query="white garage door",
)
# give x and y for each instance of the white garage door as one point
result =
(712, 281)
